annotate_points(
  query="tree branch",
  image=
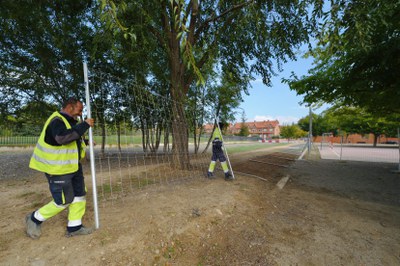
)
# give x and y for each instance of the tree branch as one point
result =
(215, 18)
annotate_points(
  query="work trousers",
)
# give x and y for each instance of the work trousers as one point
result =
(68, 191)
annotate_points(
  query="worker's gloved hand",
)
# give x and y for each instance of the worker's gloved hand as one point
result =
(90, 121)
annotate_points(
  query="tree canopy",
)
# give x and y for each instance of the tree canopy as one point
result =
(344, 120)
(292, 131)
(42, 48)
(357, 57)
(237, 39)
(191, 52)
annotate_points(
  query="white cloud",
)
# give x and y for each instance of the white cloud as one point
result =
(262, 118)
(283, 120)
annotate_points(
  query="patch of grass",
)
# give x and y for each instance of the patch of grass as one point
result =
(107, 188)
(251, 147)
(105, 237)
(134, 183)
(171, 249)
(169, 252)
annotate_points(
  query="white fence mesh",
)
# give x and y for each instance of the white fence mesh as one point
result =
(361, 152)
(134, 144)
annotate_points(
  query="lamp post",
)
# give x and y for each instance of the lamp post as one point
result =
(310, 130)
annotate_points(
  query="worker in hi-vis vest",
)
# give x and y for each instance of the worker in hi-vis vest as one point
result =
(218, 154)
(57, 154)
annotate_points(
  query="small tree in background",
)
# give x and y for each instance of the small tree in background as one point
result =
(292, 132)
(358, 120)
(244, 129)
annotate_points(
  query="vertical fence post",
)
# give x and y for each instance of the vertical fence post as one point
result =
(310, 131)
(92, 166)
(398, 143)
(341, 147)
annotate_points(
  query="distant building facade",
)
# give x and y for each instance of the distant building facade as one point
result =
(264, 129)
(357, 139)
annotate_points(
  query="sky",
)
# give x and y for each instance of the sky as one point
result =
(277, 102)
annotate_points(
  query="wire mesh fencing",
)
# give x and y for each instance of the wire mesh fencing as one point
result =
(141, 138)
(384, 153)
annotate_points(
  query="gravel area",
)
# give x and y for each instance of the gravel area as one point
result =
(14, 163)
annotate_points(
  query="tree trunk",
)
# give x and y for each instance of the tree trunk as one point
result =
(210, 139)
(375, 139)
(180, 151)
(119, 136)
(103, 133)
(166, 140)
(144, 134)
(178, 88)
(196, 139)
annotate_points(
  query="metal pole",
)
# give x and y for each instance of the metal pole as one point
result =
(310, 129)
(398, 142)
(226, 152)
(92, 166)
(341, 147)
(322, 140)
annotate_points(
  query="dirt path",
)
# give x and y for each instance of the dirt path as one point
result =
(328, 213)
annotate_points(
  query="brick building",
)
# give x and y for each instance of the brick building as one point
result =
(263, 129)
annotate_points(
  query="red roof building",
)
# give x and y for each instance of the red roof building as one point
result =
(208, 128)
(263, 129)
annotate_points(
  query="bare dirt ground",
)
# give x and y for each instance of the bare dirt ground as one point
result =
(328, 213)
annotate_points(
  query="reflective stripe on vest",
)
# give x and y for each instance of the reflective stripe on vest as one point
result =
(55, 160)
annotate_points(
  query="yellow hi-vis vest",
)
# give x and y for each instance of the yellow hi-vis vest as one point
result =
(56, 160)
(217, 134)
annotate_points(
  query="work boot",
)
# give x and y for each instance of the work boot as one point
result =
(210, 175)
(33, 230)
(82, 231)
(228, 176)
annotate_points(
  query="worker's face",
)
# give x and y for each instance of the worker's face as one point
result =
(76, 110)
